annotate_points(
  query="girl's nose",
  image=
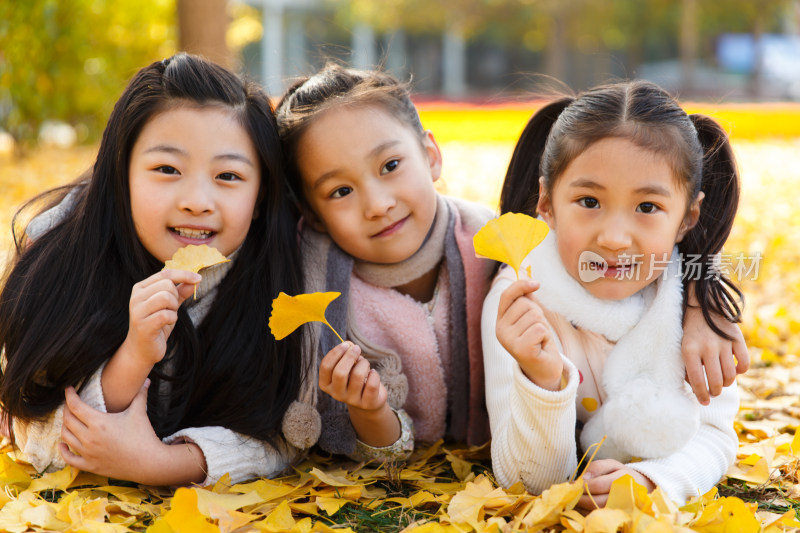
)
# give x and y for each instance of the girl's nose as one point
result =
(614, 235)
(378, 200)
(196, 197)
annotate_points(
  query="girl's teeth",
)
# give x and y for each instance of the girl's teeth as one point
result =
(192, 233)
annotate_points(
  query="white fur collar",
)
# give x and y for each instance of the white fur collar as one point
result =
(649, 411)
(562, 293)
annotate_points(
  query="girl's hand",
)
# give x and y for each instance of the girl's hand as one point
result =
(524, 333)
(154, 310)
(598, 477)
(709, 358)
(124, 445)
(348, 378)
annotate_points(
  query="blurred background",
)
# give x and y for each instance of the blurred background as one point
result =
(64, 62)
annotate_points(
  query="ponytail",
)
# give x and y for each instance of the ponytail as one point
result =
(520, 192)
(715, 293)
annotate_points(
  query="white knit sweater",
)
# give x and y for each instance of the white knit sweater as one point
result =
(225, 451)
(533, 429)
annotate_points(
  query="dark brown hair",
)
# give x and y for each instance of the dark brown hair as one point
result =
(696, 147)
(64, 304)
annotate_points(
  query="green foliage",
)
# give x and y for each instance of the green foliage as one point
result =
(70, 59)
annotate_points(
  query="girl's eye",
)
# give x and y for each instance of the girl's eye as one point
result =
(647, 207)
(390, 166)
(589, 202)
(228, 176)
(166, 169)
(341, 192)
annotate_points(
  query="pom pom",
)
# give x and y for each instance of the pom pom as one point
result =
(396, 389)
(301, 425)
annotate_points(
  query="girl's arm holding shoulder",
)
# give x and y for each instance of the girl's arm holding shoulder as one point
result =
(153, 311)
(348, 378)
(712, 362)
(531, 410)
(123, 445)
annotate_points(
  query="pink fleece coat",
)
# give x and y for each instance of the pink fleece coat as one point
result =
(398, 322)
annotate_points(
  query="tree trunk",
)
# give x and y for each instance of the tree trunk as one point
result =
(556, 51)
(396, 54)
(688, 43)
(754, 82)
(201, 29)
(363, 45)
(272, 49)
(454, 62)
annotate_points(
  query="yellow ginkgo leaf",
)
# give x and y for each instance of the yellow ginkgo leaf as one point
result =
(195, 258)
(185, 517)
(280, 518)
(547, 509)
(55, 480)
(469, 505)
(601, 520)
(291, 312)
(510, 238)
(626, 495)
(13, 474)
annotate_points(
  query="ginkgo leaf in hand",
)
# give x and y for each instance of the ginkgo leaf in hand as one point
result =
(510, 238)
(291, 312)
(194, 258)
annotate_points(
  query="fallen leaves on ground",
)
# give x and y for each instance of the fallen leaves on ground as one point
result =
(447, 489)
(324, 495)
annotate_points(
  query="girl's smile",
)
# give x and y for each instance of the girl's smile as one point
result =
(191, 235)
(391, 229)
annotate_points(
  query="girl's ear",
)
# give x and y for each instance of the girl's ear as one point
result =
(544, 207)
(691, 217)
(433, 153)
(310, 218)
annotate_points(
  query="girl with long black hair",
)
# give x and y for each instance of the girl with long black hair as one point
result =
(172, 388)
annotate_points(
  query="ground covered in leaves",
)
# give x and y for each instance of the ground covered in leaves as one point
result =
(445, 488)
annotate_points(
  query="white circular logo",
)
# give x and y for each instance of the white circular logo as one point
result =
(591, 266)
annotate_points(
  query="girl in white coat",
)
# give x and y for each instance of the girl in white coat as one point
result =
(631, 187)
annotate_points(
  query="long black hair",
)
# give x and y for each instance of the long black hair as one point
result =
(696, 147)
(64, 303)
